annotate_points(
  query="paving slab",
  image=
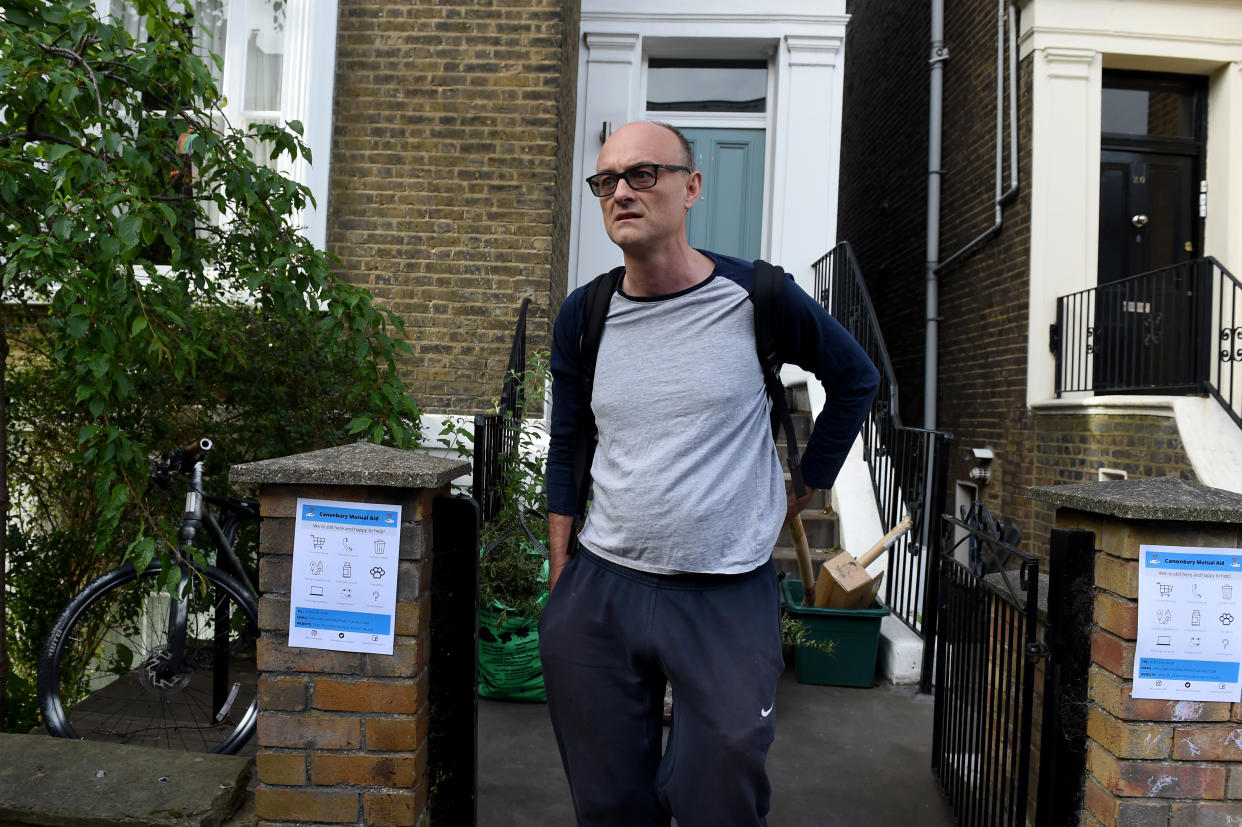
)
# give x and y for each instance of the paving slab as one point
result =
(842, 756)
(56, 781)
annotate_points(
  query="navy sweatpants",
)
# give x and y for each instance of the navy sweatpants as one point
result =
(608, 638)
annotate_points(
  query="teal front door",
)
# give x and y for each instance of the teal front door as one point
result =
(729, 216)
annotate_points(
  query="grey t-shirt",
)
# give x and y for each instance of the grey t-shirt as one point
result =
(686, 475)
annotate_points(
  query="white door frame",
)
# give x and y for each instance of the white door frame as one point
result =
(803, 42)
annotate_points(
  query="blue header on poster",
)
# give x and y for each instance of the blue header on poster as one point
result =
(349, 516)
(1188, 560)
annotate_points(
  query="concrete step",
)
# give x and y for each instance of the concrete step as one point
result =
(820, 527)
(47, 780)
(786, 560)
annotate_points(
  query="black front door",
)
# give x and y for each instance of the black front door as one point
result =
(1148, 306)
(1148, 212)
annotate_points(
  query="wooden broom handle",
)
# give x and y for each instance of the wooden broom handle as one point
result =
(875, 551)
(803, 550)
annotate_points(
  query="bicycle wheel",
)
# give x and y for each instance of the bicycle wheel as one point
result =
(99, 675)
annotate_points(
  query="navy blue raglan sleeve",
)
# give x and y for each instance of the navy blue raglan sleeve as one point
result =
(567, 404)
(813, 340)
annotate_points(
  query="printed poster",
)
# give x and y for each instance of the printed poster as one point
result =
(1189, 624)
(343, 594)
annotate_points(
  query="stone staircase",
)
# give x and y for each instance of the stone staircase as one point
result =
(818, 519)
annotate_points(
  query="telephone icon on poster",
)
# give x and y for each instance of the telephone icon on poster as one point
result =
(1194, 591)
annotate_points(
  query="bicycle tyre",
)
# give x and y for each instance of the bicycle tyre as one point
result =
(96, 676)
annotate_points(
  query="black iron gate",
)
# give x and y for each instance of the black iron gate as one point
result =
(986, 652)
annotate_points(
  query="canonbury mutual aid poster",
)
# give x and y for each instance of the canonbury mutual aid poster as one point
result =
(343, 594)
(1189, 624)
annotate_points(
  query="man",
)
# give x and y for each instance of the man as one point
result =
(672, 578)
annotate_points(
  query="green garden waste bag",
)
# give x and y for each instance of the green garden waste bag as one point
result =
(509, 667)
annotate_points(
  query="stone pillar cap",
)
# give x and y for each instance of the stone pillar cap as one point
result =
(362, 463)
(1159, 498)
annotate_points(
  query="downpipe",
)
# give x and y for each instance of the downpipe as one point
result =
(1003, 198)
(939, 54)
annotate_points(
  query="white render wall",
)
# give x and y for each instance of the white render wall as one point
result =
(1073, 42)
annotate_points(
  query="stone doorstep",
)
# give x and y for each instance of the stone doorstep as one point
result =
(52, 781)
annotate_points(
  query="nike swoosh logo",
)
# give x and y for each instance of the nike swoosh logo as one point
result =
(766, 712)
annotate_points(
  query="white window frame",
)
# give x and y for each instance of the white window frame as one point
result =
(307, 78)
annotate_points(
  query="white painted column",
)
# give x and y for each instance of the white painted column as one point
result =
(806, 161)
(612, 69)
(1223, 227)
(1065, 196)
(307, 79)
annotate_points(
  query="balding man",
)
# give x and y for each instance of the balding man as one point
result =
(672, 577)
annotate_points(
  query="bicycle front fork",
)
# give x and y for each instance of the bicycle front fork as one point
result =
(178, 610)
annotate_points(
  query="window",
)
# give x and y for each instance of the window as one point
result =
(278, 66)
(1147, 107)
(687, 85)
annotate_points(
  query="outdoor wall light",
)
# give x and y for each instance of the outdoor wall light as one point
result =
(982, 473)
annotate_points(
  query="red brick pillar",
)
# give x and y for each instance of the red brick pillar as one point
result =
(1163, 762)
(343, 735)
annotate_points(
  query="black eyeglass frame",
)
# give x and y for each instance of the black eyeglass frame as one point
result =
(595, 182)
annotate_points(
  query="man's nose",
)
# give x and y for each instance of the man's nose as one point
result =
(623, 191)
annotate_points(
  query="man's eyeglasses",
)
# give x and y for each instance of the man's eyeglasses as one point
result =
(640, 177)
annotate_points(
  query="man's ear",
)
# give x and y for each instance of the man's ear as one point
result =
(694, 188)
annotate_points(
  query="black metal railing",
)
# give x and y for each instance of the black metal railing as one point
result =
(1176, 330)
(986, 651)
(907, 465)
(1224, 380)
(496, 434)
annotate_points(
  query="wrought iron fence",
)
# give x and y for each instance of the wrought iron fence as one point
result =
(907, 465)
(1174, 330)
(496, 434)
(1224, 380)
(986, 650)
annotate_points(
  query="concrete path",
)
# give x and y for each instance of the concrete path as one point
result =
(842, 756)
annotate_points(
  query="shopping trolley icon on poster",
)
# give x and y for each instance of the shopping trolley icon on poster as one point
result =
(318, 541)
(1166, 589)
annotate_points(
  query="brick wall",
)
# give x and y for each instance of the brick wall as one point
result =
(342, 735)
(984, 296)
(1071, 447)
(1150, 761)
(449, 192)
(882, 207)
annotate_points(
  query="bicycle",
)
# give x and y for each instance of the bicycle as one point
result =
(129, 663)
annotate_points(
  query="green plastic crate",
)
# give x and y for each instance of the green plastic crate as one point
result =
(856, 633)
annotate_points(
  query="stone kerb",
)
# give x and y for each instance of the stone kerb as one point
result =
(343, 735)
(1149, 761)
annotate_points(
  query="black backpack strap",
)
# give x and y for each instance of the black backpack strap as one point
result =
(769, 283)
(598, 298)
